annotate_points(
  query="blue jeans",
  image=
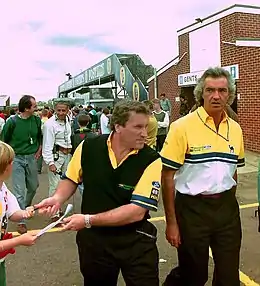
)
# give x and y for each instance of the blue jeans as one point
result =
(25, 179)
(39, 164)
(81, 188)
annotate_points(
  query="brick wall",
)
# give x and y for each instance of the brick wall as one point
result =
(232, 27)
(242, 25)
(167, 82)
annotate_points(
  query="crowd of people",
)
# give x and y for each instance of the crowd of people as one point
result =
(121, 161)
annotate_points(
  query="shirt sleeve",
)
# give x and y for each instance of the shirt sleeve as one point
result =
(175, 147)
(241, 156)
(74, 170)
(48, 143)
(165, 123)
(147, 191)
(13, 205)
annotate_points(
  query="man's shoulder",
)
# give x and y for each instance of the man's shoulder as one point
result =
(147, 151)
(185, 120)
(234, 125)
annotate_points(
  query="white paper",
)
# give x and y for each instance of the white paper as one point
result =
(53, 224)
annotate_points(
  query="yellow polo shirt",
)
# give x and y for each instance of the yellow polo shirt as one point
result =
(205, 159)
(152, 130)
(146, 192)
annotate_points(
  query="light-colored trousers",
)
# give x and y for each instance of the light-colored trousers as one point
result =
(61, 165)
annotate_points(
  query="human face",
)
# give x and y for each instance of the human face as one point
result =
(134, 133)
(61, 111)
(33, 107)
(215, 94)
(156, 106)
(162, 97)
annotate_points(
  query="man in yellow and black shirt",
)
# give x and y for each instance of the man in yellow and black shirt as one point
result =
(202, 152)
(121, 177)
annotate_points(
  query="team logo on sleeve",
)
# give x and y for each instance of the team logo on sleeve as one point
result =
(156, 184)
(155, 194)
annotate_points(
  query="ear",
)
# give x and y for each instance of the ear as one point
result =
(118, 128)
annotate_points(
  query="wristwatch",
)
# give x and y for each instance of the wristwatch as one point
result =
(87, 221)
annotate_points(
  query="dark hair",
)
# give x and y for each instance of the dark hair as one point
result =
(163, 94)
(123, 109)
(106, 111)
(12, 111)
(62, 102)
(25, 102)
(83, 120)
(149, 104)
(45, 112)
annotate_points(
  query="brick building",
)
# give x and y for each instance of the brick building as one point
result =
(231, 39)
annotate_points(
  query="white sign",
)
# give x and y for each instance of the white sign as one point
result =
(188, 79)
(96, 72)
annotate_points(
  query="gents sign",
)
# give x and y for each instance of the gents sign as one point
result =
(192, 78)
(189, 78)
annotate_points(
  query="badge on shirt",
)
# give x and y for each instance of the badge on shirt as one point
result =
(231, 149)
(155, 194)
(156, 184)
(194, 149)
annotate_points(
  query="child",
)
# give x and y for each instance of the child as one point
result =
(9, 209)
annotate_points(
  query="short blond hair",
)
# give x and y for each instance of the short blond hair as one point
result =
(6, 156)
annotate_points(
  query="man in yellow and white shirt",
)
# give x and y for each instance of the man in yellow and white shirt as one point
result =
(202, 152)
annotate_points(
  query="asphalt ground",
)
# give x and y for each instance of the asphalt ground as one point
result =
(54, 260)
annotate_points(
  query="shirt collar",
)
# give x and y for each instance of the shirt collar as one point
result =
(205, 116)
(109, 144)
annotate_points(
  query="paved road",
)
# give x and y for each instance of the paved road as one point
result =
(54, 260)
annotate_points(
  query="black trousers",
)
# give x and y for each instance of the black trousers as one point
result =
(102, 255)
(209, 222)
(159, 142)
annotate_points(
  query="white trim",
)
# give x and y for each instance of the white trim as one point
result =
(165, 68)
(247, 43)
(175, 61)
(216, 17)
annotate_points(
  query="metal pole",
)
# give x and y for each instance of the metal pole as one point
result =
(155, 84)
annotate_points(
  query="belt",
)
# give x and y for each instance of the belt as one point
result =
(64, 150)
(213, 196)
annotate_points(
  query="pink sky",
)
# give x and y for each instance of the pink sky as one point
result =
(133, 26)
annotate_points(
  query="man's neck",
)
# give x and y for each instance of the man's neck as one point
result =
(119, 149)
(217, 117)
(25, 115)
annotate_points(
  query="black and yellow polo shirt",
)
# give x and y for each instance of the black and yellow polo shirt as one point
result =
(145, 193)
(205, 159)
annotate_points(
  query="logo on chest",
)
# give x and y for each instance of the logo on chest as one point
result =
(195, 149)
(231, 149)
(126, 187)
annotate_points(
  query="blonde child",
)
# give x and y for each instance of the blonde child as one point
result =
(9, 210)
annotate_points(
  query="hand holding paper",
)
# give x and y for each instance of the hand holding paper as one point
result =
(49, 206)
(52, 225)
(74, 222)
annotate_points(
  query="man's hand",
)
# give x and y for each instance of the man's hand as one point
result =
(37, 155)
(49, 206)
(53, 168)
(173, 234)
(74, 222)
